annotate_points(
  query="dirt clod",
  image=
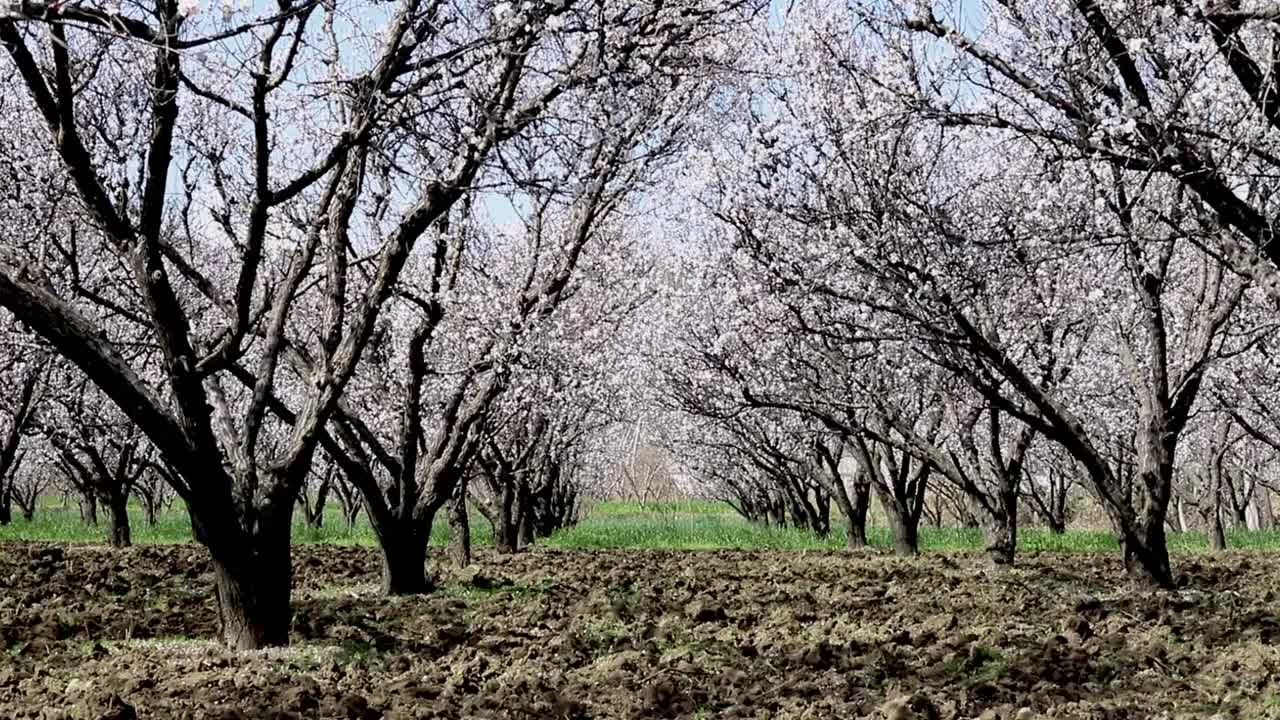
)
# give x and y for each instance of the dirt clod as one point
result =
(704, 612)
(909, 707)
(115, 708)
(356, 707)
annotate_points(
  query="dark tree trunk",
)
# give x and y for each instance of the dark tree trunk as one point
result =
(504, 540)
(253, 599)
(459, 528)
(524, 517)
(1002, 529)
(904, 520)
(6, 504)
(904, 524)
(906, 532)
(524, 530)
(314, 511)
(315, 519)
(1058, 516)
(822, 510)
(901, 485)
(1242, 517)
(504, 521)
(554, 506)
(1146, 554)
(1143, 539)
(404, 560)
(774, 515)
(252, 575)
(150, 508)
(1051, 505)
(26, 502)
(1217, 538)
(854, 510)
(88, 509)
(118, 532)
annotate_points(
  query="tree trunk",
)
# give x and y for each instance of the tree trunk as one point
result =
(459, 528)
(350, 509)
(854, 511)
(1058, 506)
(118, 532)
(149, 507)
(504, 522)
(6, 504)
(524, 518)
(1146, 554)
(88, 509)
(504, 537)
(774, 515)
(965, 514)
(524, 530)
(1058, 510)
(1002, 528)
(906, 541)
(1217, 538)
(315, 512)
(252, 576)
(822, 506)
(315, 520)
(253, 600)
(1241, 517)
(1266, 515)
(404, 561)
(1002, 540)
(1140, 525)
(905, 527)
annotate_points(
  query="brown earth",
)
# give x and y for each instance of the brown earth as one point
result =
(93, 633)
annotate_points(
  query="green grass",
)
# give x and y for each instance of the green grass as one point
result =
(57, 524)
(684, 525)
(666, 507)
(705, 526)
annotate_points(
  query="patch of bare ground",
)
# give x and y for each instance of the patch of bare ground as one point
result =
(92, 633)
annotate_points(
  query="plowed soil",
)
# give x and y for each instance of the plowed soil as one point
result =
(93, 633)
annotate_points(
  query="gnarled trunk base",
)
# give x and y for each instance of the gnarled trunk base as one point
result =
(504, 537)
(253, 599)
(459, 532)
(404, 565)
(89, 510)
(119, 534)
(1001, 527)
(1002, 541)
(1146, 557)
(856, 532)
(906, 534)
